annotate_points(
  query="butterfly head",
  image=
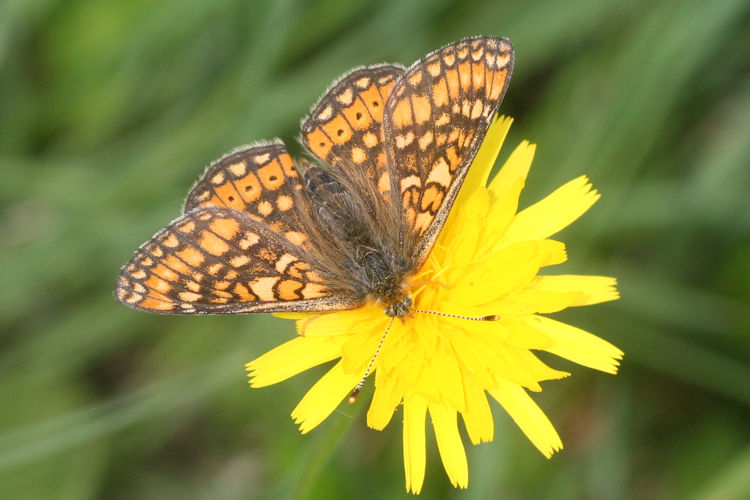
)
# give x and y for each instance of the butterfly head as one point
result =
(400, 308)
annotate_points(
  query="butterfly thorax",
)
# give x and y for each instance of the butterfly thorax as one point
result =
(358, 255)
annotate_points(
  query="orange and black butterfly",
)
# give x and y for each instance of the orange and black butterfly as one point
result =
(391, 147)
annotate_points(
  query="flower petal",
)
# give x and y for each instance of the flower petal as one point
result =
(388, 394)
(591, 289)
(493, 356)
(426, 384)
(471, 355)
(528, 416)
(512, 368)
(359, 350)
(531, 300)
(509, 268)
(415, 451)
(505, 190)
(485, 159)
(398, 348)
(536, 369)
(512, 176)
(579, 346)
(291, 358)
(553, 213)
(522, 335)
(324, 397)
(340, 322)
(449, 444)
(447, 375)
(477, 416)
(461, 240)
(406, 357)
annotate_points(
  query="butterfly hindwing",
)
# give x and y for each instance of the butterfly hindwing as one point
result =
(217, 260)
(260, 181)
(344, 129)
(435, 120)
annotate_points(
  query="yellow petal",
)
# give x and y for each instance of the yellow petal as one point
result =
(489, 357)
(535, 368)
(553, 213)
(528, 416)
(461, 240)
(407, 357)
(449, 378)
(449, 444)
(341, 322)
(511, 367)
(505, 189)
(509, 268)
(388, 394)
(531, 300)
(425, 384)
(477, 416)
(470, 354)
(513, 172)
(579, 346)
(524, 336)
(359, 351)
(476, 206)
(415, 458)
(440, 379)
(591, 289)
(485, 159)
(291, 358)
(324, 397)
(398, 345)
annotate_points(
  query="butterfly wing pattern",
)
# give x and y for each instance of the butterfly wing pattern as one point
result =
(394, 145)
(345, 128)
(239, 247)
(435, 121)
(260, 181)
(216, 260)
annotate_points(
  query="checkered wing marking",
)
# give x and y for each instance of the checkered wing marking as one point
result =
(344, 129)
(216, 260)
(260, 181)
(435, 120)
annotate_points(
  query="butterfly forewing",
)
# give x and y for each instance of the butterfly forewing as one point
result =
(214, 260)
(434, 122)
(344, 129)
(260, 181)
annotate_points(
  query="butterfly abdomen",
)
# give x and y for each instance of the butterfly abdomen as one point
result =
(374, 271)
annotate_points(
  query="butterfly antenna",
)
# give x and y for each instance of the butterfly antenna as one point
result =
(490, 317)
(355, 393)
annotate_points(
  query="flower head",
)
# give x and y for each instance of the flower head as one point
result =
(485, 265)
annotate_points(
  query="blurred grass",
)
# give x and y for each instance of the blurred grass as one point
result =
(109, 111)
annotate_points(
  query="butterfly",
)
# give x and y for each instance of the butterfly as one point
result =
(390, 147)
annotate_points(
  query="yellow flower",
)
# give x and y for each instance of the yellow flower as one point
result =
(485, 262)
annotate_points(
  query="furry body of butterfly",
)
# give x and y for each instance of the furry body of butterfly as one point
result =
(358, 240)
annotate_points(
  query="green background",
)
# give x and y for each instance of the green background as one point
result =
(109, 110)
